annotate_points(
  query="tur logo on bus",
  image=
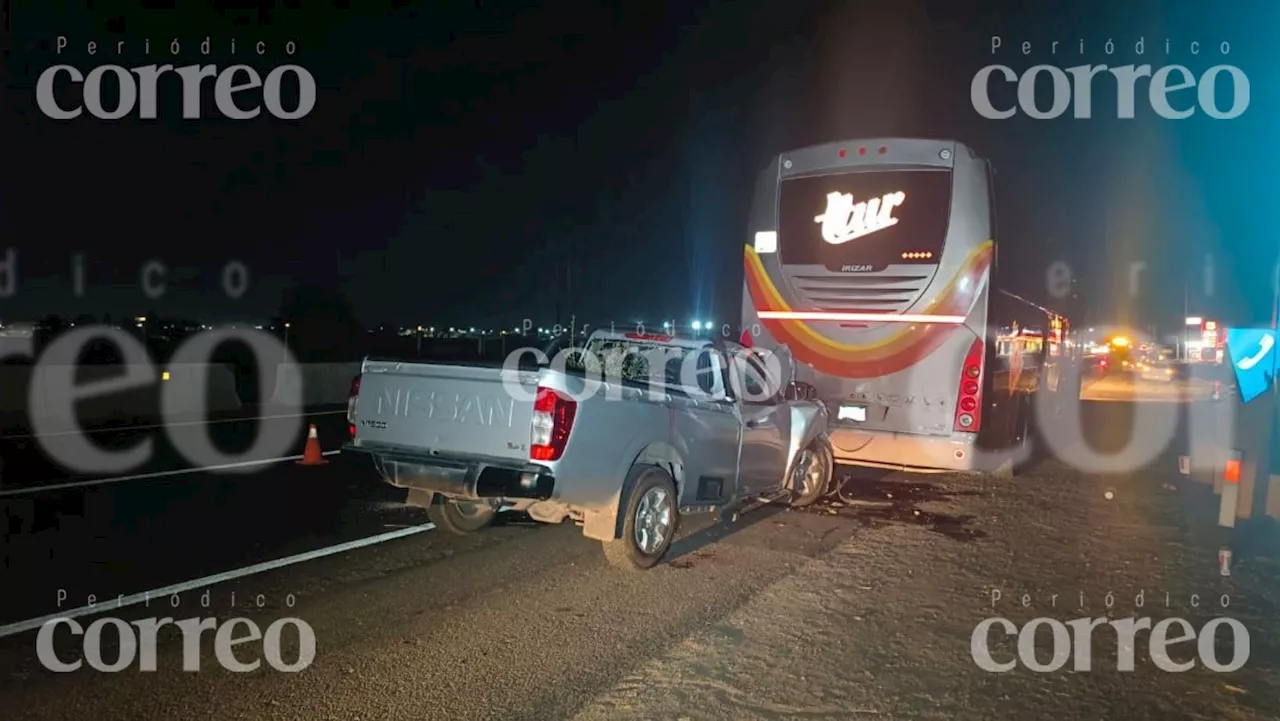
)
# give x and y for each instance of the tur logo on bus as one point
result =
(845, 220)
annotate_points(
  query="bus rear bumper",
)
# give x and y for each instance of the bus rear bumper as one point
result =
(907, 451)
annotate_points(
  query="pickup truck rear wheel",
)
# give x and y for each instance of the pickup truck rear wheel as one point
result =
(461, 517)
(812, 473)
(648, 523)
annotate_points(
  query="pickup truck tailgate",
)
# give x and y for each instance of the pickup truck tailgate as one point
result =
(450, 409)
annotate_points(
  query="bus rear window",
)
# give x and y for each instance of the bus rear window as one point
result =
(864, 221)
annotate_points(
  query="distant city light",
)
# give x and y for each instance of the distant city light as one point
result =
(697, 325)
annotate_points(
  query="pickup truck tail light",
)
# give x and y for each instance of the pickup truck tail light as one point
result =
(969, 395)
(552, 422)
(351, 406)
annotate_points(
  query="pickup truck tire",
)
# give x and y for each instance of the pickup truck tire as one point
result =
(812, 473)
(648, 523)
(461, 517)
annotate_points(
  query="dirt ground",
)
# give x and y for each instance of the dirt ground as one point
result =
(881, 625)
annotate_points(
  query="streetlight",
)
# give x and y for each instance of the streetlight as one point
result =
(284, 356)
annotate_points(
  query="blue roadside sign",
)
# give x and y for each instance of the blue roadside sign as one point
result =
(1252, 352)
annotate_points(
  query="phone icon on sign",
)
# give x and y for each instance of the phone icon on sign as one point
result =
(1265, 343)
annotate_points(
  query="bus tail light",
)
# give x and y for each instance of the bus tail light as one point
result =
(351, 406)
(969, 394)
(553, 416)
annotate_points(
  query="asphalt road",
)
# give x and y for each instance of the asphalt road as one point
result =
(862, 607)
(166, 521)
(1129, 388)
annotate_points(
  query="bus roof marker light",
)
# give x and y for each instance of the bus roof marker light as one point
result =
(882, 150)
(945, 154)
(862, 150)
(841, 152)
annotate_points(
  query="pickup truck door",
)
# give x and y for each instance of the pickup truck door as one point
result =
(766, 426)
(709, 431)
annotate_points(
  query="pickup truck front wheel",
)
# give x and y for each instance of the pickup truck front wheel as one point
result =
(648, 523)
(461, 517)
(812, 473)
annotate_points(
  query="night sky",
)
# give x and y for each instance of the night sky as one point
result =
(456, 158)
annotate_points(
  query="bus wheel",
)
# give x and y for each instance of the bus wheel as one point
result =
(811, 474)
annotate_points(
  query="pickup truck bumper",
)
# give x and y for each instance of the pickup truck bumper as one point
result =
(463, 477)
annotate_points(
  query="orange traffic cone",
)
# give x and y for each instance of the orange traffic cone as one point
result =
(312, 455)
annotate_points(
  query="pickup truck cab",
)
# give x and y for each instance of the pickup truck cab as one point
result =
(623, 436)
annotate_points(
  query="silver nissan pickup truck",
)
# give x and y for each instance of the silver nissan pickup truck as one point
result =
(622, 435)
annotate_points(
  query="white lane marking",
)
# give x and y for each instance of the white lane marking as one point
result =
(161, 593)
(155, 474)
(206, 422)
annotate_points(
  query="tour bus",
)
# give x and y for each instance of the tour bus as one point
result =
(873, 261)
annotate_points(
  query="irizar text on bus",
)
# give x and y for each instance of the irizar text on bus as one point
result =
(1073, 88)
